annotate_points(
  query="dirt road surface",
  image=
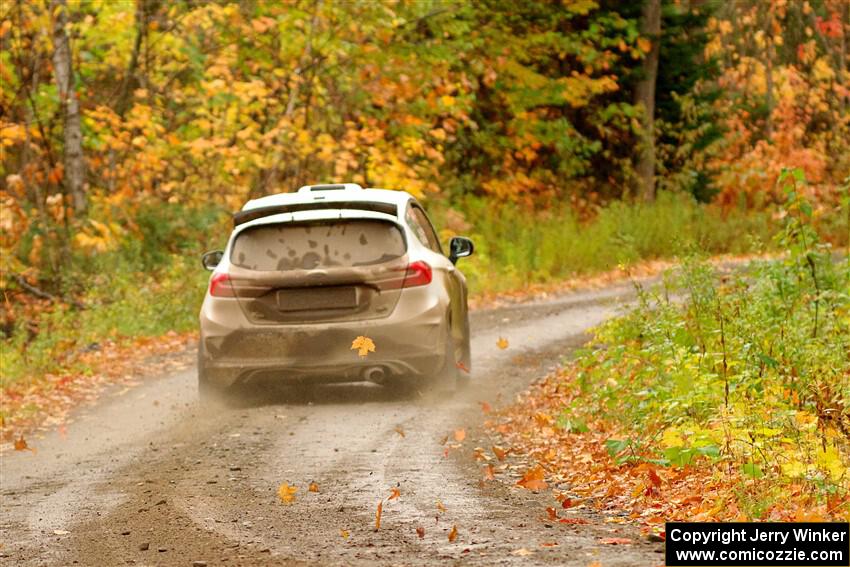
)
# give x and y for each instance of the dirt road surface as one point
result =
(147, 477)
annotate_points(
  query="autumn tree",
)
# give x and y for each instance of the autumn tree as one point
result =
(63, 70)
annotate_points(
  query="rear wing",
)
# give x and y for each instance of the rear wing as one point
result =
(242, 217)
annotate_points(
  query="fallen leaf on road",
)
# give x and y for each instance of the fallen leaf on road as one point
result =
(485, 407)
(576, 521)
(489, 473)
(553, 514)
(444, 440)
(654, 478)
(287, 493)
(344, 533)
(453, 534)
(420, 531)
(533, 479)
(502, 343)
(395, 494)
(378, 513)
(363, 345)
(440, 506)
(61, 532)
(615, 541)
(399, 430)
(313, 487)
(21, 444)
(499, 452)
(549, 544)
(521, 552)
(460, 435)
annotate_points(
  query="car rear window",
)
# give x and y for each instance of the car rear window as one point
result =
(324, 244)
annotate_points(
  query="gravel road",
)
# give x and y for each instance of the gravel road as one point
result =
(147, 477)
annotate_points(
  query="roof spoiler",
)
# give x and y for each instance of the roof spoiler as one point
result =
(331, 187)
(242, 217)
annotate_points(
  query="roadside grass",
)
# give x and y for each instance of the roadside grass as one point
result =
(515, 249)
(731, 404)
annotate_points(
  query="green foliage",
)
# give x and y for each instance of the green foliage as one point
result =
(750, 367)
(515, 247)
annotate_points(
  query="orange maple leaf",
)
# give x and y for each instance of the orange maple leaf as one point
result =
(394, 494)
(502, 343)
(500, 453)
(363, 346)
(534, 479)
(489, 473)
(313, 487)
(453, 534)
(286, 493)
(378, 513)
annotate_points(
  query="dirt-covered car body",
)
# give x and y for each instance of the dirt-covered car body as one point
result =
(304, 274)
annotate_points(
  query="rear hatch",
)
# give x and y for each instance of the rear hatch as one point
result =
(341, 269)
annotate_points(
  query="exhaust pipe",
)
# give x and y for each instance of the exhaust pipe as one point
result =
(375, 374)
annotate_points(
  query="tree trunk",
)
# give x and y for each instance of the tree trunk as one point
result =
(64, 73)
(645, 95)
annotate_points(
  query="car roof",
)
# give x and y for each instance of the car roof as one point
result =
(347, 192)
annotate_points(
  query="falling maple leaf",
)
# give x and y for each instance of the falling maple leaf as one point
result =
(453, 534)
(420, 531)
(378, 513)
(287, 493)
(399, 430)
(502, 343)
(363, 345)
(499, 452)
(313, 487)
(533, 479)
(460, 435)
(654, 478)
(394, 494)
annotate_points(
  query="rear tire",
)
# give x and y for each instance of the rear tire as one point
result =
(451, 377)
(208, 394)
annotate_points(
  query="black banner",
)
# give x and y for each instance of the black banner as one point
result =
(694, 544)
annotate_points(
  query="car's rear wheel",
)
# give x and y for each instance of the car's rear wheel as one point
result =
(208, 393)
(451, 376)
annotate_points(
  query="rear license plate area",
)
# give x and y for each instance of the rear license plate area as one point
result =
(317, 298)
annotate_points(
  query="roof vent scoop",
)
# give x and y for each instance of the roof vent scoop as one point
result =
(333, 187)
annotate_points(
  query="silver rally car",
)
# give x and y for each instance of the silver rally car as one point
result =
(305, 274)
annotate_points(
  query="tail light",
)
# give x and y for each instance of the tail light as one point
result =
(415, 274)
(418, 273)
(220, 286)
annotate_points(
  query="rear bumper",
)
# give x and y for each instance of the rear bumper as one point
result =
(409, 342)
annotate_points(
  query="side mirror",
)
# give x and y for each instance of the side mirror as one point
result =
(460, 247)
(211, 259)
